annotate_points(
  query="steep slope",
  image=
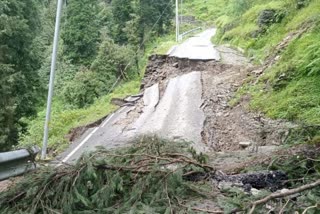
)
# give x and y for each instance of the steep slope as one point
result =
(282, 39)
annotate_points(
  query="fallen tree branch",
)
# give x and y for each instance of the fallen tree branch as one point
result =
(284, 194)
(309, 208)
(128, 169)
(166, 157)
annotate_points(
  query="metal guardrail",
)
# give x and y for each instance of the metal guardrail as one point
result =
(17, 162)
(186, 33)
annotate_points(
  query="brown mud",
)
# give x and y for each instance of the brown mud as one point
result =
(234, 133)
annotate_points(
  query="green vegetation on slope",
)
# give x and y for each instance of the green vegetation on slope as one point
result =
(64, 120)
(101, 42)
(19, 61)
(290, 88)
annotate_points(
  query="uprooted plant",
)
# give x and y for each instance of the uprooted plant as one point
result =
(152, 176)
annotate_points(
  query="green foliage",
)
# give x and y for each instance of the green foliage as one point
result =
(121, 11)
(290, 88)
(81, 31)
(18, 63)
(310, 62)
(114, 60)
(7, 109)
(295, 83)
(99, 43)
(302, 168)
(83, 89)
(65, 119)
(239, 7)
(136, 179)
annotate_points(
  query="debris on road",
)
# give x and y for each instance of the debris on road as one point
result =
(134, 179)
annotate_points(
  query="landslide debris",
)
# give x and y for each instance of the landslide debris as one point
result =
(148, 177)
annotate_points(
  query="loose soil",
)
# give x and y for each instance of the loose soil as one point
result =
(225, 126)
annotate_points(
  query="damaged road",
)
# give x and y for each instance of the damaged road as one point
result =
(184, 99)
(170, 107)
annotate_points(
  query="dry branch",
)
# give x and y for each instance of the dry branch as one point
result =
(284, 194)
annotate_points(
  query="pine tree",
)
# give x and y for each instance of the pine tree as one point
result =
(155, 17)
(81, 31)
(18, 64)
(121, 10)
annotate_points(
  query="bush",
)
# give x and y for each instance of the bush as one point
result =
(83, 89)
(114, 60)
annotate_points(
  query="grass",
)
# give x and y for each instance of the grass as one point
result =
(291, 88)
(204, 10)
(295, 96)
(63, 120)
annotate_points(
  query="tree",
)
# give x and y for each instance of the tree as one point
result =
(121, 10)
(19, 88)
(113, 60)
(81, 31)
(155, 18)
(83, 89)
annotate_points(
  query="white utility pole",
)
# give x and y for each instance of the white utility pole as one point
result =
(181, 11)
(177, 20)
(52, 75)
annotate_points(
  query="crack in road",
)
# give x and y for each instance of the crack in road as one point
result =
(171, 106)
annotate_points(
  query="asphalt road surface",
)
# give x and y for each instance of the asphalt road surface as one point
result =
(198, 47)
(176, 115)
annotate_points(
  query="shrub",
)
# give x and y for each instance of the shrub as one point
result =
(83, 89)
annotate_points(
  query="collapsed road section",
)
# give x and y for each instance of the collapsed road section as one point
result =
(169, 109)
(188, 100)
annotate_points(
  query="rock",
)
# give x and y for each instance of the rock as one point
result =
(240, 50)
(122, 102)
(257, 72)
(176, 65)
(245, 144)
(132, 99)
(272, 180)
(255, 192)
(225, 185)
(153, 57)
(5, 185)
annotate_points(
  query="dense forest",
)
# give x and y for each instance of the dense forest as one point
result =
(101, 43)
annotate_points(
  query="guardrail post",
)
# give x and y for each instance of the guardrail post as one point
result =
(17, 162)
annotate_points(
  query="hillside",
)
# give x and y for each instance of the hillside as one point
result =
(226, 128)
(282, 40)
(96, 62)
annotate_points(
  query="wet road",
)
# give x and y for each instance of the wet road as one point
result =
(198, 47)
(176, 115)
